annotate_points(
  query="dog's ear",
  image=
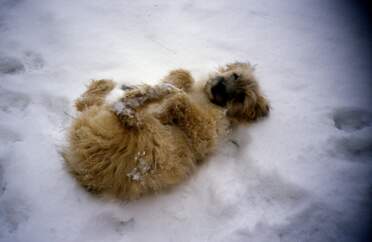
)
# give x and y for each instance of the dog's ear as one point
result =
(248, 106)
(236, 66)
(262, 107)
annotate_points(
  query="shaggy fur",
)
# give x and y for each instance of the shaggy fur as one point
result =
(154, 137)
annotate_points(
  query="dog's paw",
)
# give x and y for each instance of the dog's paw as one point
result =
(126, 114)
(144, 94)
(179, 78)
(126, 104)
(165, 89)
(168, 87)
(136, 97)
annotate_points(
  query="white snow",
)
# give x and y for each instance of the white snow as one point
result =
(303, 174)
(114, 96)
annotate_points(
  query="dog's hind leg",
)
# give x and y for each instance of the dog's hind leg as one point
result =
(196, 123)
(129, 108)
(95, 94)
(180, 78)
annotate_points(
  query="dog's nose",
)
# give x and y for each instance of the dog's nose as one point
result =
(220, 86)
(219, 92)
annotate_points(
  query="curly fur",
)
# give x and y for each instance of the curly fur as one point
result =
(154, 137)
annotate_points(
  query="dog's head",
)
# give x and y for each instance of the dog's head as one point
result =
(235, 87)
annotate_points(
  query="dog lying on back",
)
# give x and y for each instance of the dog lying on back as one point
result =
(130, 141)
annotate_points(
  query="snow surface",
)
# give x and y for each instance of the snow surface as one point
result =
(303, 174)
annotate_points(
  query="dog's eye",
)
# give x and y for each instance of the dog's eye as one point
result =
(235, 76)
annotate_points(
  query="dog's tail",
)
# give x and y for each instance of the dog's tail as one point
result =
(95, 94)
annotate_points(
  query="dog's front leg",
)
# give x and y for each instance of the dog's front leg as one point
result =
(180, 78)
(196, 123)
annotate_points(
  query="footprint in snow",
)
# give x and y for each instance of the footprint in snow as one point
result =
(351, 119)
(33, 60)
(355, 147)
(7, 135)
(13, 212)
(10, 65)
(29, 61)
(10, 100)
(2, 181)
(106, 223)
(356, 143)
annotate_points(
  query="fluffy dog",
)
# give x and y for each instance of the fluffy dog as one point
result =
(153, 137)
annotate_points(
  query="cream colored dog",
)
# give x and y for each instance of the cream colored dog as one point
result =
(153, 137)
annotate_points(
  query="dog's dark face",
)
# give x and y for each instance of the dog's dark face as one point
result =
(235, 88)
(225, 88)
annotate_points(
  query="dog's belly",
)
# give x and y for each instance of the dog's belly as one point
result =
(107, 158)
